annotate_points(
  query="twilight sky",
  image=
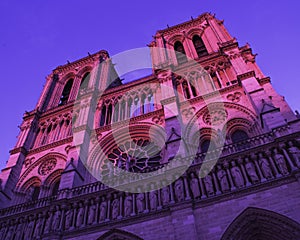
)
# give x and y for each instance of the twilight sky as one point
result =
(37, 36)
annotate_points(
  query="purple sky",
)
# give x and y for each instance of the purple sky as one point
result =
(36, 36)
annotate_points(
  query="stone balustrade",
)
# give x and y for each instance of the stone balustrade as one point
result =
(96, 204)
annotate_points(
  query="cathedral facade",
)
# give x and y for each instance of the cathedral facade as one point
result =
(203, 148)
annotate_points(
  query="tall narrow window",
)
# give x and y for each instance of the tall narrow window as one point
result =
(55, 188)
(103, 114)
(109, 114)
(180, 53)
(35, 193)
(85, 80)
(66, 93)
(199, 46)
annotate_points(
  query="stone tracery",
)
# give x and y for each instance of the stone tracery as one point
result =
(135, 156)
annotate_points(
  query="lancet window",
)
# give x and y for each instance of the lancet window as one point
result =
(199, 46)
(126, 107)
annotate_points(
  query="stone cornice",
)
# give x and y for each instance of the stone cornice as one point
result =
(18, 150)
(78, 63)
(51, 145)
(124, 87)
(265, 80)
(190, 23)
(130, 121)
(246, 75)
(211, 94)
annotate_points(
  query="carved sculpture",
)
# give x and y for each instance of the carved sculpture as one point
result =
(153, 199)
(56, 219)
(195, 186)
(165, 195)
(208, 182)
(279, 159)
(178, 187)
(80, 215)
(103, 210)
(295, 153)
(115, 208)
(251, 171)
(237, 175)
(128, 205)
(140, 203)
(69, 218)
(222, 176)
(38, 227)
(92, 213)
(28, 231)
(265, 166)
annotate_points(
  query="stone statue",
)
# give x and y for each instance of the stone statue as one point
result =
(178, 187)
(250, 168)
(56, 219)
(28, 231)
(128, 205)
(69, 218)
(103, 210)
(279, 158)
(19, 229)
(237, 175)
(208, 182)
(38, 227)
(265, 166)
(222, 176)
(2, 231)
(295, 153)
(92, 213)
(9, 233)
(153, 199)
(80, 216)
(195, 186)
(140, 203)
(115, 208)
(47, 228)
(165, 195)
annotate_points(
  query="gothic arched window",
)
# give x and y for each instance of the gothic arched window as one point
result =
(102, 118)
(205, 146)
(199, 46)
(55, 188)
(36, 193)
(238, 136)
(180, 53)
(85, 80)
(136, 156)
(66, 93)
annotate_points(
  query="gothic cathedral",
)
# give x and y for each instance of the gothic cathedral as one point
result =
(202, 148)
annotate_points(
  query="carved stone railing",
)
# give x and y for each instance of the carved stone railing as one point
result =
(271, 161)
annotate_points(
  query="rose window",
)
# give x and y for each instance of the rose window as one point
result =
(136, 156)
(215, 117)
(47, 167)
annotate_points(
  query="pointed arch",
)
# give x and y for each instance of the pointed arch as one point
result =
(61, 159)
(199, 46)
(34, 181)
(261, 224)
(249, 117)
(116, 234)
(147, 131)
(180, 52)
(64, 98)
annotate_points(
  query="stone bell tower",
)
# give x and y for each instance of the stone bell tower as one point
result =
(230, 70)
(44, 158)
